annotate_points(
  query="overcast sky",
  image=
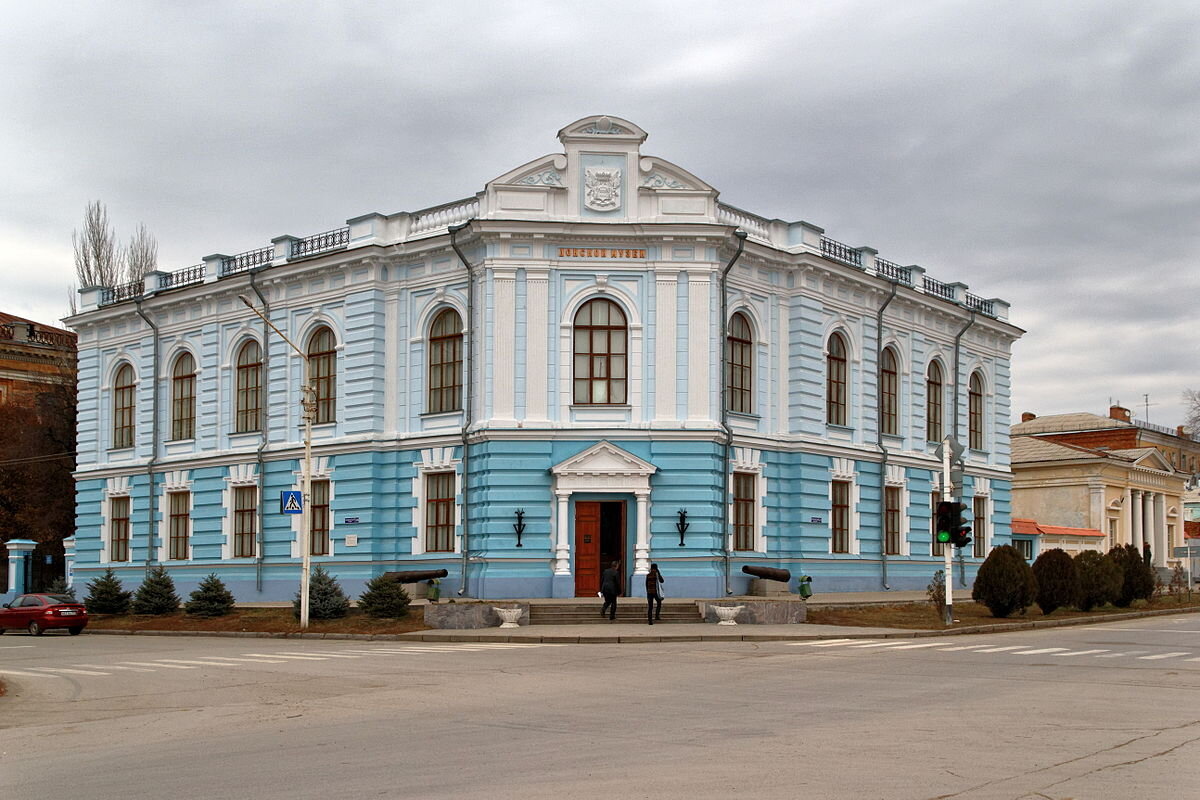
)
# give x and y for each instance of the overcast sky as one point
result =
(1045, 153)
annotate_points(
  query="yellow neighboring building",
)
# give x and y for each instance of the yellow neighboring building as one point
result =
(1132, 496)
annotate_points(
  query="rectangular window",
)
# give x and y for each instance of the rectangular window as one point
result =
(1025, 548)
(179, 520)
(118, 528)
(891, 502)
(439, 512)
(979, 527)
(743, 510)
(840, 516)
(318, 539)
(245, 519)
(183, 407)
(936, 548)
(1112, 534)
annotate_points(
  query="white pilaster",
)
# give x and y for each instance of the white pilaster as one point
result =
(1135, 518)
(537, 380)
(665, 315)
(1125, 536)
(504, 334)
(1159, 544)
(1147, 519)
(642, 547)
(562, 548)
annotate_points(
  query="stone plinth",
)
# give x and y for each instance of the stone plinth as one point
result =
(469, 616)
(760, 612)
(762, 587)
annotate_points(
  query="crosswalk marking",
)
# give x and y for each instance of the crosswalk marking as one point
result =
(842, 642)
(1126, 653)
(1163, 655)
(66, 671)
(326, 655)
(165, 661)
(1038, 652)
(156, 664)
(289, 658)
(918, 646)
(6, 671)
(251, 660)
(1000, 649)
(1079, 653)
(892, 643)
(112, 666)
(815, 642)
(962, 647)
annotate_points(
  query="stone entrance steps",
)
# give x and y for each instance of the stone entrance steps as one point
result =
(631, 609)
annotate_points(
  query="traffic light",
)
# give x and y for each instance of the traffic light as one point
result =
(950, 525)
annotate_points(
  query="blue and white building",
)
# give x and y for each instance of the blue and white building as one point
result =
(525, 384)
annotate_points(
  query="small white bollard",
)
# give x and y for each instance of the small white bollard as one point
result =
(508, 617)
(726, 614)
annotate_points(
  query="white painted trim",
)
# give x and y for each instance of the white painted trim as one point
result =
(666, 315)
(749, 461)
(503, 350)
(433, 460)
(174, 482)
(843, 469)
(699, 316)
(537, 345)
(240, 475)
(117, 486)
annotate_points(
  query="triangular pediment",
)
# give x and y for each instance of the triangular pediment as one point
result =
(604, 458)
(549, 170)
(660, 174)
(1153, 459)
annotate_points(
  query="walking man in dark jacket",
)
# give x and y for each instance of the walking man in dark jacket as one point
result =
(654, 593)
(610, 587)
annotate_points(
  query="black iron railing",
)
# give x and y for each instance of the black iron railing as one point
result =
(893, 271)
(119, 294)
(841, 252)
(937, 288)
(182, 277)
(319, 243)
(247, 260)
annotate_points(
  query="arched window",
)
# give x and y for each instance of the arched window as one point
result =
(249, 388)
(600, 354)
(888, 381)
(739, 381)
(975, 411)
(445, 362)
(183, 397)
(322, 366)
(124, 390)
(933, 402)
(835, 381)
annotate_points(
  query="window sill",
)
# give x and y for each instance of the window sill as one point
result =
(746, 415)
(602, 406)
(833, 426)
(441, 414)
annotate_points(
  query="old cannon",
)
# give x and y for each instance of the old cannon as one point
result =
(416, 575)
(770, 573)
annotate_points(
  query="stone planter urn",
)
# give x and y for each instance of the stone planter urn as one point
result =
(508, 617)
(726, 614)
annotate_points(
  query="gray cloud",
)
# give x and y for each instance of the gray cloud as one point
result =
(1044, 154)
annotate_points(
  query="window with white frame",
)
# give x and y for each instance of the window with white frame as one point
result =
(745, 498)
(839, 518)
(183, 397)
(318, 537)
(934, 393)
(249, 388)
(739, 379)
(889, 382)
(179, 525)
(445, 362)
(979, 525)
(124, 391)
(975, 411)
(892, 516)
(439, 512)
(245, 520)
(601, 338)
(1024, 547)
(118, 528)
(322, 365)
(836, 381)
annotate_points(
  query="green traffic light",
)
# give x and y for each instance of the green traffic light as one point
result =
(943, 536)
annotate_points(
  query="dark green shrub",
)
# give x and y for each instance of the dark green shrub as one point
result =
(1057, 583)
(1005, 583)
(384, 597)
(1099, 580)
(156, 595)
(326, 600)
(106, 595)
(211, 599)
(59, 586)
(1137, 577)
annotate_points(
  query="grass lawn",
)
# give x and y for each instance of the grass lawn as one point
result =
(261, 620)
(922, 616)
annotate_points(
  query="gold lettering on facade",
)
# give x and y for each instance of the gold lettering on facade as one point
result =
(600, 252)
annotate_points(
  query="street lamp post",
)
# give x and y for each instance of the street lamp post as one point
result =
(308, 409)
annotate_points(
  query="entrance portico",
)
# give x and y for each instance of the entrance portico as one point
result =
(602, 469)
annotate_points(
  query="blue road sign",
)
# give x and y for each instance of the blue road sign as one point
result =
(291, 502)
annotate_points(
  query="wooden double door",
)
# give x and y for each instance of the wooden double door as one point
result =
(599, 540)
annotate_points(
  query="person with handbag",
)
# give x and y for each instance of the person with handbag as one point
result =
(654, 594)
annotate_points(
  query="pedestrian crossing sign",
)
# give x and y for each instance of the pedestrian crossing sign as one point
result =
(291, 503)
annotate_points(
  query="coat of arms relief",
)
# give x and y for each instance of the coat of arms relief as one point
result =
(602, 188)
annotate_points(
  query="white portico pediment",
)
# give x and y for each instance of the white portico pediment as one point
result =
(603, 467)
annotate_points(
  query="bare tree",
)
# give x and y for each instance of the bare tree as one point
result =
(1191, 402)
(142, 255)
(99, 260)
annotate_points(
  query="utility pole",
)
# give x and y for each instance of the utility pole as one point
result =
(308, 410)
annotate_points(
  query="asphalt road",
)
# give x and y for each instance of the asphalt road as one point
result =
(1081, 712)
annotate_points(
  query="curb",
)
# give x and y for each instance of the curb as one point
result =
(618, 638)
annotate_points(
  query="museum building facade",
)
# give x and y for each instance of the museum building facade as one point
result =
(591, 360)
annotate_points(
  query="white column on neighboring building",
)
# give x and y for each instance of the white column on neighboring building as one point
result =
(537, 372)
(562, 548)
(1096, 511)
(1159, 544)
(504, 334)
(700, 334)
(641, 549)
(1147, 519)
(1125, 535)
(1135, 518)
(666, 284)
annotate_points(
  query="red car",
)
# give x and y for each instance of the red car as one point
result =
(38, 613)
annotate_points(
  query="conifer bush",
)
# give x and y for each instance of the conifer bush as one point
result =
(385, 597)
(1005, 583)
(156, 595)
(1057, 583)
(1137, 577)
(211, 598)
(1099, 580)
(59, 586)
(326, 600)
(106, 595)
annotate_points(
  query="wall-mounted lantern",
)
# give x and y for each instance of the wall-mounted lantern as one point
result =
(682, 525)
(519, 526)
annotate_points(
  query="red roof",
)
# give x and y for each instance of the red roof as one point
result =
(1031, 527)
(1191, 529)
